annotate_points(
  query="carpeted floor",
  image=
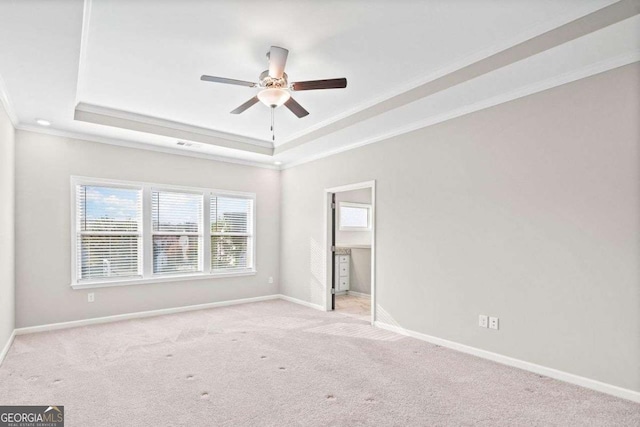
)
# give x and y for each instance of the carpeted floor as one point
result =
(276, 363)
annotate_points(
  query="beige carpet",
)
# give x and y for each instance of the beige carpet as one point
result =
(278, 364)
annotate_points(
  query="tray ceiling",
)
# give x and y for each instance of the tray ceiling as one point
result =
(141, 61)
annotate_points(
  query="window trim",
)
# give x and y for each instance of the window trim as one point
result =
(148, 276)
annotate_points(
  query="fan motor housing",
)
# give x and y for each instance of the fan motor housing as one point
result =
(268, 82)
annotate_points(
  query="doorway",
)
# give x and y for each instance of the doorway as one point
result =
(350, 249)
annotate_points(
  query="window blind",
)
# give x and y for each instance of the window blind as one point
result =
(177, 231)
(108, 232)
(134, 232)
(231, 233)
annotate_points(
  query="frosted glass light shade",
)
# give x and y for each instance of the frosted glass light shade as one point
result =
(273, 97)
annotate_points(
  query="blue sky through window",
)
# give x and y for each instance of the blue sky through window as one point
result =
(112, 203)
(124, 204)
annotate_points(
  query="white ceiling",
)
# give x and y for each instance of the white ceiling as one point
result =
(146, 57)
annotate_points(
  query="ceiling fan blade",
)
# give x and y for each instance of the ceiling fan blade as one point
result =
(296, 108)
(245, 106)
(277, 61)
(227, 81)
(320, 84)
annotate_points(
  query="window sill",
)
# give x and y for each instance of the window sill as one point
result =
(165, 279)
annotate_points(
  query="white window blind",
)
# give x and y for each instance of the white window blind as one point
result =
(231, 233)
(108, 232)
(127, 233)
(177, 230)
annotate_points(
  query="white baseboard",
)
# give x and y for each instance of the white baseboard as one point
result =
(301, 302)
(138, 315)
(517, 363)
(5, 350)
(152, 313)
(359, 294)
(532, 367)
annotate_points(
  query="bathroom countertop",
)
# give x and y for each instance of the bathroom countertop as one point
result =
(349, 248)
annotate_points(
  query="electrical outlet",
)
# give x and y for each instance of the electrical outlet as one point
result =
(270, 280)
(483, 321)
(91, 297)
(493, 322)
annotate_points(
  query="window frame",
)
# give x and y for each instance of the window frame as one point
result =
(354, 205)
(148, 276)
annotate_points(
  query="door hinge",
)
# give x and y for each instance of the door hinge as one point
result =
(333, 205)
(333, 248)
(333, 291)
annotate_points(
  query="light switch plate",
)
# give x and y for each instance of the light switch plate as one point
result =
(493, 322)
(483, 321)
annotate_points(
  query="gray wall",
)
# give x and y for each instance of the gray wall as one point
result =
(528, 211)
(7, 247)
(44, 165)
(360, 271)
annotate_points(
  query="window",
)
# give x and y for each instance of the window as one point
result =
(108, 232)
(126, 233)
(231, 232)
(177, 232)
(355, 216)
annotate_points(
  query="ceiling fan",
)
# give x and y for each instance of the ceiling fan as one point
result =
(275, 86)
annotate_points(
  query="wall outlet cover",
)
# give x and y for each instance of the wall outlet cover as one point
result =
(483, 321)
(91, 297)
(493, 322)
(270, 280)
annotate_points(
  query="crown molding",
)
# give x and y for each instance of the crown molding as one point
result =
(589, 19)
(310, 133)
(503, 55)
(584, 72)
(5, 99)
(157, 126)
(148, 124)
(142, 146)
(527, 34)
(575, 75)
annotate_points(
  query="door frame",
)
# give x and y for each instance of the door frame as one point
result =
(328, 227)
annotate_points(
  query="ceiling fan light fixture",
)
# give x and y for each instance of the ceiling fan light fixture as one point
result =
(274, 97)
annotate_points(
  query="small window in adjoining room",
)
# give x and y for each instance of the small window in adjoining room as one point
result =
(177, 231)
(354, 216)
(108, 232)
(231, 233)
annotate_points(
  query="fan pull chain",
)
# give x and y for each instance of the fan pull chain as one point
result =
(273, 127)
